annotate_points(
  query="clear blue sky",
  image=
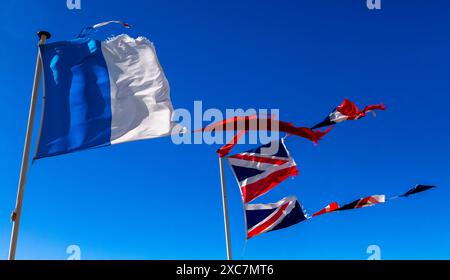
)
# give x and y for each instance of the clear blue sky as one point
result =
(156, 200)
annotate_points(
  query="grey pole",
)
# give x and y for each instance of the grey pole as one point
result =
(15, 217)
(225, 210)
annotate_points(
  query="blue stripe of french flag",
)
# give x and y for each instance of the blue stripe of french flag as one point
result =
(101, 93)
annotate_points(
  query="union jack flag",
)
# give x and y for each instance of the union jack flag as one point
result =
(260, 170)
(262, 218)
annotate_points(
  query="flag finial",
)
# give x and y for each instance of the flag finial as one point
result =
(44, 33)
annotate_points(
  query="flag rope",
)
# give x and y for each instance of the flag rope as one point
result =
(91, 29)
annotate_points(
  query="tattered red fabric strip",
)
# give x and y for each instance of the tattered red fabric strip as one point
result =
(254, 123)
(348, 108)
(226, 149)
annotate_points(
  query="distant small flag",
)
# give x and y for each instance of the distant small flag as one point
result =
(327, 209)
(347, 111)
(417, 189)
(364, 202)
(102, 93)
(370, 200)
(260, 170)
(262, 218)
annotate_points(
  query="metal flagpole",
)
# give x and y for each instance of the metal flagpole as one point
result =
(225, 210)
(15, 217)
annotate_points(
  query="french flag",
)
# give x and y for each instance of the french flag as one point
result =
(262, 218)
(102, 93)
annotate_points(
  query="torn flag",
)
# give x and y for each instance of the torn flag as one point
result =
(417, 189)
(258, 171)
(347, 111)
(364, 202)
(262, 218)
(370, 200)
(254, 123)
(226, 149)
(327, 209)
(102, 93)
(359, 203)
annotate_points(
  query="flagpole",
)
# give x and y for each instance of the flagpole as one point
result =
(15, 217)
(225, 209)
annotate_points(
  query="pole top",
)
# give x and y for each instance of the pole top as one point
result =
(44, 33)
